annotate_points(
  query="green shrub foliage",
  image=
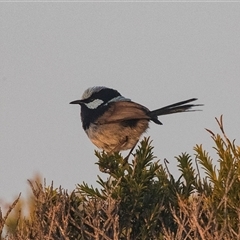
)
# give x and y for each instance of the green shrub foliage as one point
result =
(141, 199)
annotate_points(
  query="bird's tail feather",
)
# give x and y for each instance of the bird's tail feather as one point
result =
(182, 106)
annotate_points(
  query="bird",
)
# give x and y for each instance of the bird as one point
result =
(114, 123)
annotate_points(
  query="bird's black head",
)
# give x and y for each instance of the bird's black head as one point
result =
(95, 101)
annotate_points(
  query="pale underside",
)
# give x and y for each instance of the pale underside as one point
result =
(112, 132)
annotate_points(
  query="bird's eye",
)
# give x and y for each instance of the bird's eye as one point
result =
(88, 100)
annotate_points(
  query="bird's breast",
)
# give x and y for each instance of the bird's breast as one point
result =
(116, 136)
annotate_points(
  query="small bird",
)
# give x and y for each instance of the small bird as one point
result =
(115, 123)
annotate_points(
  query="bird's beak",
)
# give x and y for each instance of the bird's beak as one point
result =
(76, 102)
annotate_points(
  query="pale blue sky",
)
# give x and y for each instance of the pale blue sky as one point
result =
(154, 53)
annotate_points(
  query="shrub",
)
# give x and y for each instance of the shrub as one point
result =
(141, 199)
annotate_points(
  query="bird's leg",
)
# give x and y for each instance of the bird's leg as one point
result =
(126, 158)
(118, 146)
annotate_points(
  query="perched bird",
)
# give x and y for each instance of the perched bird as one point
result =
(115, 123)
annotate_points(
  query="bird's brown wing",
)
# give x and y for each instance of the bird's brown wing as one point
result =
(123, 111)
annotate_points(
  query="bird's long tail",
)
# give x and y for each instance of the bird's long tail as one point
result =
(182, 106)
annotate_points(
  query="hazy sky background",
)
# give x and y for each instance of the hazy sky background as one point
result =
(154, 53)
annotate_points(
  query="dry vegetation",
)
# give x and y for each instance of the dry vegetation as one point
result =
(140, 200)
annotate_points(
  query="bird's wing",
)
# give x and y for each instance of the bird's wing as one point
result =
(123, 111)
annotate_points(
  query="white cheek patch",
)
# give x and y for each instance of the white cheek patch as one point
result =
(94, 104)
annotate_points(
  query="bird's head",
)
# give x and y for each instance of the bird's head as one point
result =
(97, 96)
